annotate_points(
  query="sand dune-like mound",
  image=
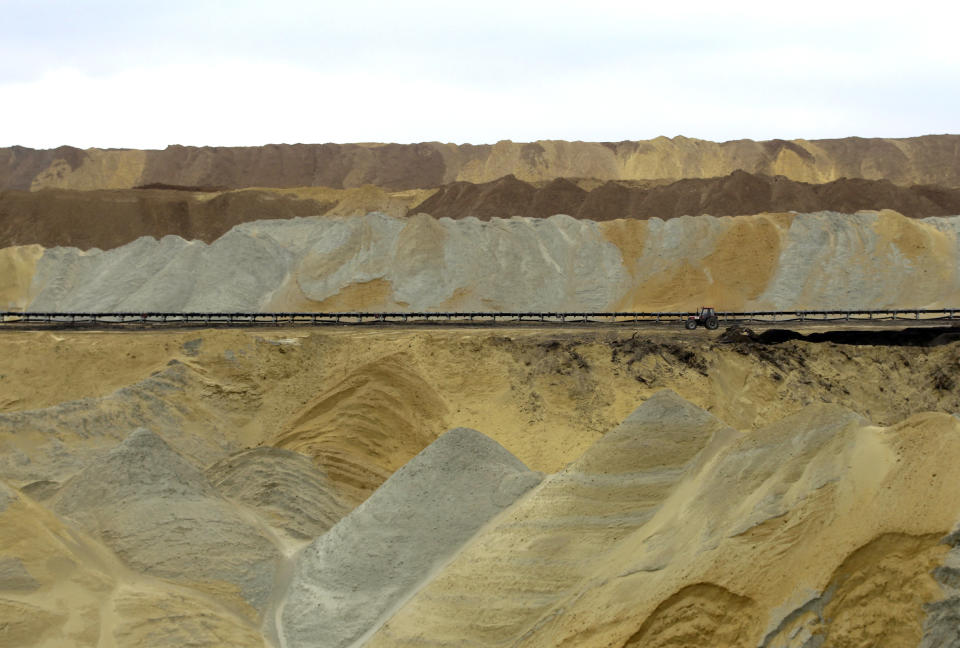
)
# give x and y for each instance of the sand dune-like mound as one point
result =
(288, 490)
(17, 266)
(772, 513)
(368, 425)
(765, 262)
(172, 619)
(60, 586)
(930, 159)
(818, 528)
(732, 195)
(159, 513)
(347, 581)
(538, 553)
(44, 564)
(544, 395)
(298, 487)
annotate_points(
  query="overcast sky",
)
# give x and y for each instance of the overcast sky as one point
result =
(125, 73)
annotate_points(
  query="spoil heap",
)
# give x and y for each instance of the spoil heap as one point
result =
(376, 262)
(60, 586)
(669, 529)
(17, 266)
(368, 425)
(350, 579)
(107, 219)
(736, 194)
(536, 556)
(918, 160)
(44, 562)
(289, 492)
(943, 616)
(161, 516)
(820, 528)
(53, 443)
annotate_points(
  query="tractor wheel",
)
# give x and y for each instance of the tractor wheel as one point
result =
(712, 323)
(691, 324)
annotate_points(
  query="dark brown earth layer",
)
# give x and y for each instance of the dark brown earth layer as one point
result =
(109, 218)
(737, 194)
(931, 159)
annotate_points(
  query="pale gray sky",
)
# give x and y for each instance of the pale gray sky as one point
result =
(112, 73)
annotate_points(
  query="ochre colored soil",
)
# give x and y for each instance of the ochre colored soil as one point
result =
(931, 159)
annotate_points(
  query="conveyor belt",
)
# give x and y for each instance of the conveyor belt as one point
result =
(841, 317)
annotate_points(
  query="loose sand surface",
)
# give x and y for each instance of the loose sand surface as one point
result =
(218, 486)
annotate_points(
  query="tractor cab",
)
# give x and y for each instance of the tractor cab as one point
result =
(706, 316)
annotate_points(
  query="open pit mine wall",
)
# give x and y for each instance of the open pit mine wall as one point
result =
(376, 262)
(932, 159)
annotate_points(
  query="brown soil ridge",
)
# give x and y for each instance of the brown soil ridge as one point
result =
(107, 219)
(737, 194)
(929, 159)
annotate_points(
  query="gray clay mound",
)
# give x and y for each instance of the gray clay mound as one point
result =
(624, 477)
(162, 517)
(943, 616)
(289, 491)
(75, 433)
(7, 496)
(41, 490)
(347, 581)
(506, 264)
(14, 576)
(662, 433)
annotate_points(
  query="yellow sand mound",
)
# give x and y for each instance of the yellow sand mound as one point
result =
(17, 267)
(820, 526)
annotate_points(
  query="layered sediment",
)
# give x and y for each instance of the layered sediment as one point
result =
(931, 159)
(611, 487)
(107, 219)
